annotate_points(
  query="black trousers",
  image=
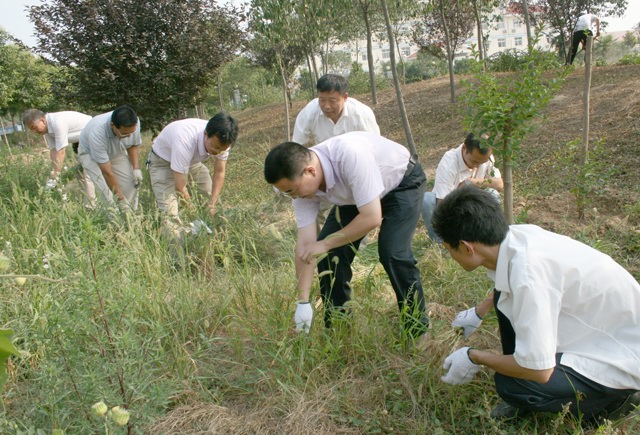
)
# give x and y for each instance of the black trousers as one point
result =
(587, 398)
(579, 37)
(400, 213)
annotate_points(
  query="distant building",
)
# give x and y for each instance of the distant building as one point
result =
(508, 32)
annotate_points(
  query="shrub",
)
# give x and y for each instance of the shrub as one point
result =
(630, 59)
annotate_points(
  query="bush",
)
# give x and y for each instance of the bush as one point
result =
(630, 59)
(359, 80)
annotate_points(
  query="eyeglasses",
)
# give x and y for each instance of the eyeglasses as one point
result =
(293, 193)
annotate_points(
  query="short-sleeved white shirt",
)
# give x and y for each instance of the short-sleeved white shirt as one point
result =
(358, 167)
(311, 122)
(584, 22)
(452, 170)
(101, 143)
(182, 144)
(64, 128)
(563, 296)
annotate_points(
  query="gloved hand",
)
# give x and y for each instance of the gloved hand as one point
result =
(137, 178)
(51, 184)
(303, 316)
(469, 320)
(461, 368)
(199, 226)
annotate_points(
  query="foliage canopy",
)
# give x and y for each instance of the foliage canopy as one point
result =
(156, 55)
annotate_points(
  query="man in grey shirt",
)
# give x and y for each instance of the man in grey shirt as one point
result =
(108, 151)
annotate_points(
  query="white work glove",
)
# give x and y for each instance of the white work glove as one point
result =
(137, 178)
(198, 226)
(469, 320)
(51, 184)
(303, 316)
(461, 368)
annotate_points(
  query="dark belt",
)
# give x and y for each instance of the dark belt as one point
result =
(412, 163)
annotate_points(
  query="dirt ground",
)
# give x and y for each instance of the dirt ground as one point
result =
(545, 166)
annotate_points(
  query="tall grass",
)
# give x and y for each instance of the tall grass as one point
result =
(206, 343)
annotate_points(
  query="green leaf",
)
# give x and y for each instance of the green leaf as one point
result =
(6, 349)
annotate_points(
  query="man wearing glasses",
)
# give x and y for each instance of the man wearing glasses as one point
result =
(177, 156)
(108, 151)
(371, 181)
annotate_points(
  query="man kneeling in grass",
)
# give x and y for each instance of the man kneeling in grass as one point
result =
(569, 316)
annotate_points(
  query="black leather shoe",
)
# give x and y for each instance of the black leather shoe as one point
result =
(504, 411)
(632, 402)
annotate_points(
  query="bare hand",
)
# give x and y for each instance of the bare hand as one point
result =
(309, 252)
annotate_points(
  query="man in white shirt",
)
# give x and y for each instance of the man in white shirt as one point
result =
(59, 129)
(584, 28)
(177, 157)
(467, 165)
(372, 182)
(332, 113)
(108, 151)
(569, 316)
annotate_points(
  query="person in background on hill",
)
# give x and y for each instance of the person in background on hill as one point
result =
(108, 151)
(332, 113)
(371, 181)
(177, 156)
(467, 165)
(59, 129)
(569, 316)
(584, 28)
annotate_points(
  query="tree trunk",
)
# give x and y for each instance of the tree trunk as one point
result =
(312, 78)
(452, 84)
(507, 177)
(5, 135)
(584, 157)
(220, 96)
(396, 81)
(372, 72)
(479, 30)
(402, 64)
(283, 75)
(527, 23)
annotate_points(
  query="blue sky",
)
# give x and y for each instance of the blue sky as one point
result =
(13, 19)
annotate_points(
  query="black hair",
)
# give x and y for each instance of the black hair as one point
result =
(472, 143)
(286, 160)
(224, 127)
(472, 215)
(124, 116)
(332, 83)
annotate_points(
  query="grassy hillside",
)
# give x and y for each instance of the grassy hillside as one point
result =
(205, 344)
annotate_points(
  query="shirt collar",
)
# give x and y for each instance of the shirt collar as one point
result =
(201, 150)
(327, 170)
(501, 275)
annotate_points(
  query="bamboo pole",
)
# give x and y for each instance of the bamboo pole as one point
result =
(584, 156)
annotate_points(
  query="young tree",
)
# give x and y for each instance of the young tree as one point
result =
(442, 29)
(25, 79)
(396, 81)
(156, 55)
(275, 45)
(369, 12)
(502, 109)
(630, 40)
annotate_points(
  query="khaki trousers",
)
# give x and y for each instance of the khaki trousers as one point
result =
(164, 187)
(122, 169)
